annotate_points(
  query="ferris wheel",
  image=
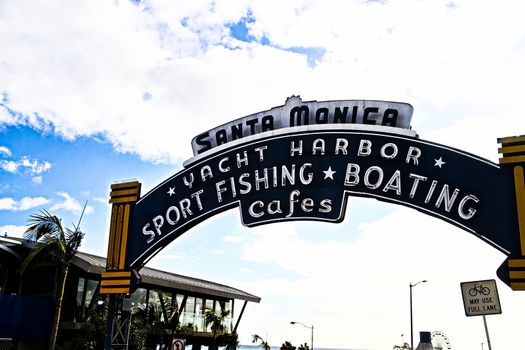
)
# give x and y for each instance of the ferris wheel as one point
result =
(440, 341)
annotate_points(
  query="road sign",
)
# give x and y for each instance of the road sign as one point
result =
(480, 298)
(178, 344)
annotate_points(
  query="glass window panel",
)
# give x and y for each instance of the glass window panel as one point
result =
(199, 314)
(154, 304)
(90, 291)
(138, 299)
(165, 305)
(209, 305)
(218, 307)
(228, 319)
(189, 312)
(179, 299)
(80, 291)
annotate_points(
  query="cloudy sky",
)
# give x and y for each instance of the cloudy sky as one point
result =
(95, 91)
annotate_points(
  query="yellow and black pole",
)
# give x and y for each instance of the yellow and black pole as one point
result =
(512, 152)
(118, 278)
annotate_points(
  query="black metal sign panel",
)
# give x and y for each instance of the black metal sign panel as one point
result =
(295, 112)
(299, 175)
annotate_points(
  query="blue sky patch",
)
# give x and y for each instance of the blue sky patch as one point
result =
(147, 96)
(83, 168)
(313, 54)
(240, 29)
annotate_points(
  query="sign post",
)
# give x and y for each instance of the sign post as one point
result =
(481, 298)
(301, 161)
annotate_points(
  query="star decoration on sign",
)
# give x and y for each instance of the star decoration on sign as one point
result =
(329, 173)
(171, 191)
(439, 162)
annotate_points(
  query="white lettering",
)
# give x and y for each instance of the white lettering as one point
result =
(246, 184)
(341, 145)
(445, 196)
(221, 167)
(318, 145)
(416, 178)
(219, 189)
(189, 182)
(394, 183)
(276, 207)
(251, 209)
(261, 152)
(352, 171)
(471, 211)
(365, 148)
(169, 219)
(413, 154)
(296, 149)
(264, 179)
(241, 161)
(158, 221)
(305, 181)
(150, 234)
(293, 200)
(366, 177)
(392, 155)
(185, 207)
(206, 172)
(307, 205)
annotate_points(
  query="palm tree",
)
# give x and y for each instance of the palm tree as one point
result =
(303, 347)
(287, 346)
(231, 341)
(216, 320)
(50, 238)
(258, 339)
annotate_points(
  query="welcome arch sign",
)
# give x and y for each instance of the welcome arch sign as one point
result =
(301, 161)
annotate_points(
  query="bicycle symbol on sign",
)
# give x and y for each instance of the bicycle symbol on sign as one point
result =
(478, 290)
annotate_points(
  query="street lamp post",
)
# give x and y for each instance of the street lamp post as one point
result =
(312, 332)
(411, 317)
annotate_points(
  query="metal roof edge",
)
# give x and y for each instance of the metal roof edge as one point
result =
(85, 262)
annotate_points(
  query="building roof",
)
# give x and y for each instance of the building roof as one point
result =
(97, 265)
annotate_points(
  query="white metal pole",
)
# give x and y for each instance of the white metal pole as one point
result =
(487, 332)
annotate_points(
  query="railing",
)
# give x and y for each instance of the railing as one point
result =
(6, 344)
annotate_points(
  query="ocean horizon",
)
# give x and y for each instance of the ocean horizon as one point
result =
(274, 347)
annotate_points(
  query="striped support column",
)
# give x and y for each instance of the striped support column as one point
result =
(116, 280)
(512, 152)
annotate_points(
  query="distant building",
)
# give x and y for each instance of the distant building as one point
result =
(27, 302)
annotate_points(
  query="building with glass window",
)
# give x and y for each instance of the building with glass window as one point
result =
(165, 306)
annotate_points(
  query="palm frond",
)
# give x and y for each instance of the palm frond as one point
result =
(43, 224)
(256, 338)
(38, 250)
(73, 240)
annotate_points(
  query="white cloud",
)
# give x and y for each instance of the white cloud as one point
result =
(37, 180)
(69, 203)
(13, 230)
(25, 203)
(233, 239)
(100, 200)
(367, 277)
(9, 166)
(34, 167)
(187, 57)
(7, 204)
(4, 151)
